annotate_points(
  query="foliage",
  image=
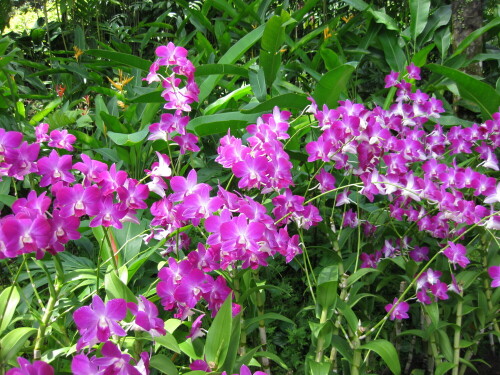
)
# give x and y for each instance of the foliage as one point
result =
(262, 197)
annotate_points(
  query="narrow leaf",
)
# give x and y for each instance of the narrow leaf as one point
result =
(121, 58)
(387, 352)
(219, 335)
(9, 300)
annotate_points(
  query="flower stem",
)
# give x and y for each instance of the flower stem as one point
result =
(456, 338)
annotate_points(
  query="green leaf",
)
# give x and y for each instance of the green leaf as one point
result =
(432, 311)
(274, 34)
(420, 58)
(394, 54)
(230, 57)
(270, 63)
(121, 58)
(474, 35)
(222, 103)
(359, 274)
(472, 89)
(220, 123)
(224, 69)
(443, 368)
(9, 300)
(257, 79)
(267, 316)
(331, 85)
(348, 314)
(168, 341)
(387, 352)
(234, 345)
(115, 288)
(219, 334)
(385, 19)
(445, 344)
(272, 356)
(44, 112)
(163, 364)
(128, 139)
(13, 341)
(342, 347)
(419, 12)
(7, 200)
(318, 368)
(285, 101)
(357, 4)
(150, 97)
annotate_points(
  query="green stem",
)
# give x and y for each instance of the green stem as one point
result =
(321, 339)
(356, 358)
(456, 338)
(49, 310)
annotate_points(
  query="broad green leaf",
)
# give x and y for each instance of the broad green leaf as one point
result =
(112, 123)
(267, 316)
(115, 288)
(270, 63)
(327, 286)
(220, 123)
(348, 314)
(128, 139)
(230, 57)
(168, 341)
(387, 352)
(331, 85)
(8, 302)
(121, 58)
(318, 368)
(44, 112)
(415, 332)
(163, 364)
(285, 101)
(13, 341)
(219, 334)
(7, 200)
(342, 346)
(257, 79)
(224, 69)
(476, 34)
(419, 12)
(472, 89)
(330, 58)
(440, 17)
(274, 34)
(272, 356)
(359, 274)
(443, 41)
(385, 19)
(357, 4)
(235, 95)
(420, 58)
(443, 368)
(394, 54)
(150, 97)
(432, 311)
(234, 346)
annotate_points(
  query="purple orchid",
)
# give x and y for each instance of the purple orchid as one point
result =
(399, 311)
(26, 368)
(97, 322)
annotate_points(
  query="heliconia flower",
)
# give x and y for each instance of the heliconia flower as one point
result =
(26, 368)
(196, 330)
(494, 272)
(400, 311)
(456, 254)
(97, 322)
(146, 316)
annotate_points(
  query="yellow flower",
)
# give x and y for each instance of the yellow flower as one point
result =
(78, 52)
(122, 81)
(348, 18)
(326, 33)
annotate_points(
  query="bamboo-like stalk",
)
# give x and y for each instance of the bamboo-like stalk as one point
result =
(456, 338)
(259, 297)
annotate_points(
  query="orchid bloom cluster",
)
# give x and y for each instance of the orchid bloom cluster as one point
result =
(100, 321)
(386, 145)
(41, 223)
(177, 98)
(56, 138)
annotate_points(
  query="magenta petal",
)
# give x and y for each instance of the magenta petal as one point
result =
(84, 317)
(116, 309)
(103, 332)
